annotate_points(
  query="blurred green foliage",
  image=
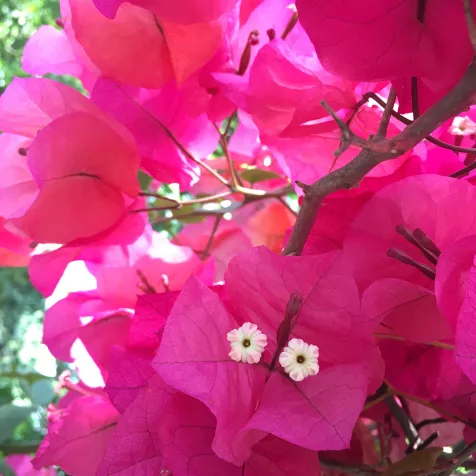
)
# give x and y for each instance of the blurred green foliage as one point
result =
(24, 393)
(19, 19)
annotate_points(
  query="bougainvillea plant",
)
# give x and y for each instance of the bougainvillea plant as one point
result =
(256, 230)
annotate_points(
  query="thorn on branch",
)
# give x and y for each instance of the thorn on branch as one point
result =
(305, 188)
(348, 138)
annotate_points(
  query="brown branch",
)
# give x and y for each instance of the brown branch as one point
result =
(206, 251)
(459, 459)
(464, 171)
(235, 180)
(460, 97)
(404, 421)
(249, 198)
(194, 214)
(178, 204)
(468, 13)
(406, 121)
(286, 204)
(363, 470)
(387, 114)
(415, 98)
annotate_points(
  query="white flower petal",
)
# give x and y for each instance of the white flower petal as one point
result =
(254, 339)
(296, 350)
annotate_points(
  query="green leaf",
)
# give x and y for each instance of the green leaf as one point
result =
(10, 417)
(258, 175)
(423, 460)
(144, 180)
(5, 470)
(42, 392)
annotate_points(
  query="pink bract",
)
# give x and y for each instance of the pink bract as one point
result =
(178, 359)
(392, 40)
(84, 427)
(73, 176)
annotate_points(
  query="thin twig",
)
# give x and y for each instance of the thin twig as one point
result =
(190, 156)
(437, 408)
(286, 204)
(415, 98)
(206, 251)
(387, 114)
(157, 195)
(235, 182)
(464, 171)
(260, 195)
(440, 345)
(460, 458)
(430, 421)
(194, 214)
(404, 421)
(363, 470)
(183, 203)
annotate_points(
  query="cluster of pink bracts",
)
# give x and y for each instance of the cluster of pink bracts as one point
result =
(383, 295)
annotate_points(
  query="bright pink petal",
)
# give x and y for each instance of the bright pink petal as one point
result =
(24, 109)
(465, 351)
(146, 114)
(444, 208)
(130, 49)
(73, 217)
(283, 92)
(166, 430)
(193, 358)
(405, 310)
(94, 149)
(84, 428)
(192, 46)
(335, 216)
(268, 281)
(151, 313)
(307, 414)
(128, 373)
(84, 188)
(18, 189)
(22, 466)
(69, 320)
(389, 41)
(329, 316)
(192, 11)
(452, 271)
(168, 266)
(48, 50)
(46, 269)
(228, 240)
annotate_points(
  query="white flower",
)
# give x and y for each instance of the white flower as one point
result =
(299, 359)
(247, 343)
(462, 126)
